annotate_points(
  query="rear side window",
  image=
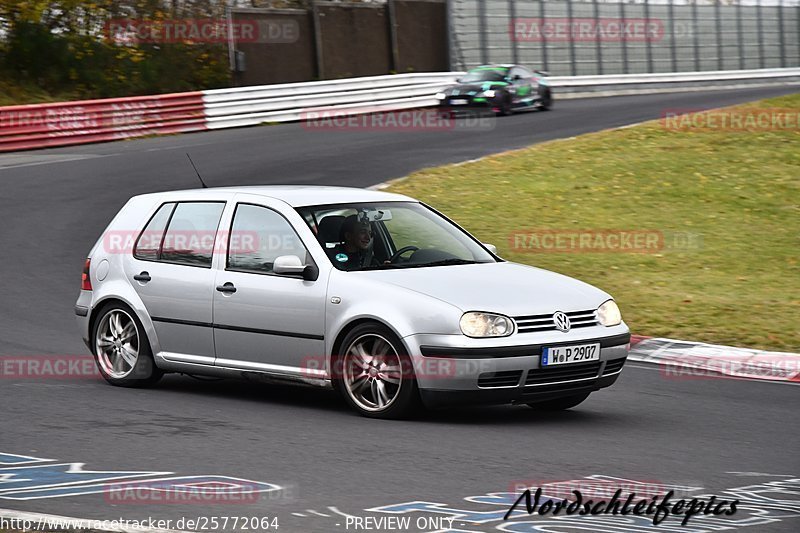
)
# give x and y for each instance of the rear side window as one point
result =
(149, 242)
(191, 233)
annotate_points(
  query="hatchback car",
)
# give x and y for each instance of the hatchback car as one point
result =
(375, 294)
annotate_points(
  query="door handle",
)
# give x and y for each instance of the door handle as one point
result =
(226, 288)
(144, 277)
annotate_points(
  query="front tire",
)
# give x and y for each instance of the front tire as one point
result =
(559, 404)
(121, 348)
(505, 106)
(374, 374)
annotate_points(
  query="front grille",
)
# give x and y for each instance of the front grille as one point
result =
(507, 378)
(544, 376)
(613, 366)
(534, 323)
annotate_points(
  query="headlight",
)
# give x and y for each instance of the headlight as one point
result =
(608, 314)
(475, 324)
(487, 94)
(440, 96)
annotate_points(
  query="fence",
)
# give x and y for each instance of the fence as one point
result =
(596, 37)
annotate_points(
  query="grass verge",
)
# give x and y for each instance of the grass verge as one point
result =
(734, 193)
(13, 93)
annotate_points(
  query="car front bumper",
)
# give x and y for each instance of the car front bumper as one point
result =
(452, 369)
(474, 106)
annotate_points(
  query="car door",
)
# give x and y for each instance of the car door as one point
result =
(171, 272)
(266, 321)
(524, 85)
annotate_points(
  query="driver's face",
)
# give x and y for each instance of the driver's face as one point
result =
(360, 238)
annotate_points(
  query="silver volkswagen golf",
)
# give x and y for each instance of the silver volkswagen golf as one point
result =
(375, 294)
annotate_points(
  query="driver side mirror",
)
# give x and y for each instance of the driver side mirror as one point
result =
(292, 265)
(491, 247)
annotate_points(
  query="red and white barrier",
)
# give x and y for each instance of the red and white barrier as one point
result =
(27, 127)
(24, 127)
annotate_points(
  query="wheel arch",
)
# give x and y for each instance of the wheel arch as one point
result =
(105, 301)
(355, 322)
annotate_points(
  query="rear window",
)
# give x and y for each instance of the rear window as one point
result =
(149, 242)
(183, 233)
(191, 233)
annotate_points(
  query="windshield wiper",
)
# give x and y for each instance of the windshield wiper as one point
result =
(445, 262)
(377, 267)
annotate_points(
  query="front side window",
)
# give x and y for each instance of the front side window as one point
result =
(191, 234)
(367, 236)
(484, 74)
(258, 236)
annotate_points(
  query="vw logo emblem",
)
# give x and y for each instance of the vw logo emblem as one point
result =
(561, 320)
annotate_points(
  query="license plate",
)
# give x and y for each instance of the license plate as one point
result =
(564, 355)
(459, 101)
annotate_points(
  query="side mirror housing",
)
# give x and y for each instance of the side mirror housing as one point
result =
(491, 247)
(292, 265)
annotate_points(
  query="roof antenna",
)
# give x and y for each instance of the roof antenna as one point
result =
(203, 183)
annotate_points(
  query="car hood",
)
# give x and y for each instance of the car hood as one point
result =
(508, 288)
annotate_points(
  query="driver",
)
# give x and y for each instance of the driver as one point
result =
(355, 250)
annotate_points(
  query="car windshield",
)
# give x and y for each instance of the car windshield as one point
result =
(376, 236)
(484, 75)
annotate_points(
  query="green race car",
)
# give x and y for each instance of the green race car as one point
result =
(501, 89)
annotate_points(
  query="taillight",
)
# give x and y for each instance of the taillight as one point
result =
(86, 281)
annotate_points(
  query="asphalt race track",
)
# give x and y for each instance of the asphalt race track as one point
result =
(711, 435)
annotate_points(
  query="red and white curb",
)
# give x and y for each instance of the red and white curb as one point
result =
(688, 359)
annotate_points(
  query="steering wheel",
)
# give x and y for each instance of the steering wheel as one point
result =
(401, 251)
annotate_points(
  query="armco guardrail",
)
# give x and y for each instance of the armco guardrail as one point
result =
(229, 108)
(60, 124)
(644, 82)
(25, 127)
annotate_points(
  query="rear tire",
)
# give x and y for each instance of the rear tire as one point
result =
(559, 404)
(546, 100)
(374, 374)
(121, 348)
